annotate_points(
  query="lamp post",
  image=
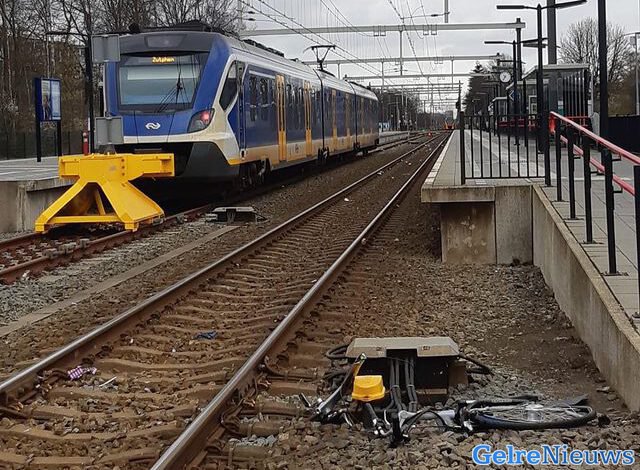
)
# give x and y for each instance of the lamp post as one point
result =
(637, 84)
(604, 72)
(634, 43)
(543, 118)
(516, 108)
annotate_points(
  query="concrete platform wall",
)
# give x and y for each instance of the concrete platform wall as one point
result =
(484, 224)
(585, 298)
(21, 202)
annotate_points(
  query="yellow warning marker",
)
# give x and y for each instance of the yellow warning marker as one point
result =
(103, 192)
(367, 388)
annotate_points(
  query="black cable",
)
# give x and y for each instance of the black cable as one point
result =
(482, 368)
(411, 388)
(330, 375)
(396, 390)
(392, 400)
(338, 353)
(414, 419)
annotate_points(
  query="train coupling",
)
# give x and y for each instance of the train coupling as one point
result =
(103, 192)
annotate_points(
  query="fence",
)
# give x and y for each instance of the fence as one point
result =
(580, 142)
(500, 146)
(23, 145)
(623, 131)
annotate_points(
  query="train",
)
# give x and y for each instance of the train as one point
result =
(232, 110)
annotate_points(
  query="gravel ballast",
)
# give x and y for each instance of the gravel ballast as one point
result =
(504, 316)
(27, 295)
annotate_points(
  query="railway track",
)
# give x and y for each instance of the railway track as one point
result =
(158, 363)
(258, 428)
(33, 253)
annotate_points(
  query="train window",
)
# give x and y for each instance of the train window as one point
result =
(264, 99)
(230, 88)
(345, 100)
(367, 115)
(289, 101)
(296, 111)
(318, 106)
(327, 106)
(300, 108)
(253, 98)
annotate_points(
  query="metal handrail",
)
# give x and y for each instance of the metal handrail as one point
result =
(597, 139)
(580, 134)
(600, 167)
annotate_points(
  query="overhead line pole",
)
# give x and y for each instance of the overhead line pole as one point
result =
(396, 60)
(434, 75)
(381, 29)
(552, 54)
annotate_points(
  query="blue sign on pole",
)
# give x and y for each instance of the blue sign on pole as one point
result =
(48, 99)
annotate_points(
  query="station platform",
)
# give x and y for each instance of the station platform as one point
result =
(487, 234)
(447, 174)
(28, 187)
(520, 220)
(624, 283)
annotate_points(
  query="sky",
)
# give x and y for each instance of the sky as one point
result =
(270, 14)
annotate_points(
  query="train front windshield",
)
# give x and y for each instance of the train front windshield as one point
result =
(159, 84)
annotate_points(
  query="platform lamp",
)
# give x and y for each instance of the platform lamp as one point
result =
(515, 69)
(542, 114)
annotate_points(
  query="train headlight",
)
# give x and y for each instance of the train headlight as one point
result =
(200, 120)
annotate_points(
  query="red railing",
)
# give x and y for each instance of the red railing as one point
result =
(597, 139)
(570, 134)
(600, 167)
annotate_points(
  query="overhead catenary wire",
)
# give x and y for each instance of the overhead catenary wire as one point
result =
(277, 16)
(301, 26)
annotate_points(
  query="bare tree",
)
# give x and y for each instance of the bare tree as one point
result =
(48, 38)
(216, 13)
(580, 46)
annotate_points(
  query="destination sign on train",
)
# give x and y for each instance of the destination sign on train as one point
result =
(163, 60)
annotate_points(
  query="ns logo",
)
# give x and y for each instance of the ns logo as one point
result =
(152, 126)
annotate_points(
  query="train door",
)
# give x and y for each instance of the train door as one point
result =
(307, 118)
(347, 115)
(238, 69)
(334, 120)
(282, 118)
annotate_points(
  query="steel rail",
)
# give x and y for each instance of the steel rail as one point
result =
(193, 438)
(20, 240)
(91, 342)
(37, 265)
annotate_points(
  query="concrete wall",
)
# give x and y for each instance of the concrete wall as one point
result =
(514, 224)
(504, 223)
(484, 224)
(468, 233)
(585, 298)
(21, 202)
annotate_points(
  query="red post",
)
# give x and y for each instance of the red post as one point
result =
(85, 142)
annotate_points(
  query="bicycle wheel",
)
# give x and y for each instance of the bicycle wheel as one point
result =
(531, 416)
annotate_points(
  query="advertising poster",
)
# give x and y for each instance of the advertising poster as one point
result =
(48, 99)
(56, 112)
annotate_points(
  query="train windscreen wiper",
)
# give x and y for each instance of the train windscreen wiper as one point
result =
(174, 91)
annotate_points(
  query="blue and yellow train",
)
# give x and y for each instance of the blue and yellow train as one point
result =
(230, 110)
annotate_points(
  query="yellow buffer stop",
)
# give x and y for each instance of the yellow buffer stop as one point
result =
(103, 192)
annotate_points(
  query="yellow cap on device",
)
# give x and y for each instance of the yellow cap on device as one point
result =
(368, 388)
